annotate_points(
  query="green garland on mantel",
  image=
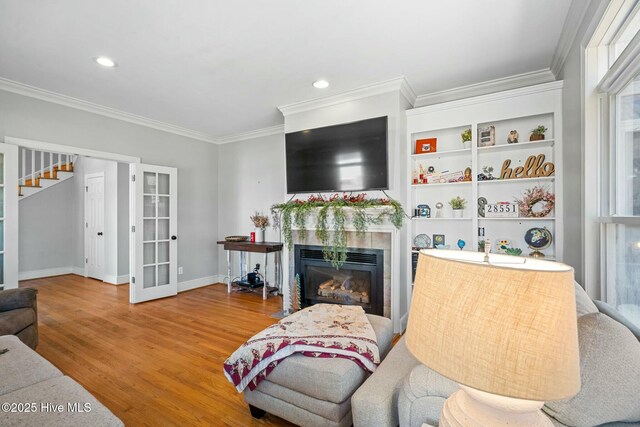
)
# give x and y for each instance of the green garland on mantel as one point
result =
(295, 213)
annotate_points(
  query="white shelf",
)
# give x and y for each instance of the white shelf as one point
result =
(505, 181)
(419, 218)
(505, 111)
(442, 153)
(517, 145)
(546, 218)
(440, 184)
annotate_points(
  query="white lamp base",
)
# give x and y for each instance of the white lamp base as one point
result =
(474, 408)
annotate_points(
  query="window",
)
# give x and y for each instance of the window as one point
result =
(623, 228)
(616, 47)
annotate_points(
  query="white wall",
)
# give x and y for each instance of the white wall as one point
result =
(251, 177)
(45, 239)
(30, 118)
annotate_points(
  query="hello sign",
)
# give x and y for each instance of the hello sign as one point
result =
(534, 167)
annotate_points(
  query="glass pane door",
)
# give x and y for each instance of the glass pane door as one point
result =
(157, 203)
(8, 216)
(155, 243)
(2, 196)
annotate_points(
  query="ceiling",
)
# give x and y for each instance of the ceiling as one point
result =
(223, 67)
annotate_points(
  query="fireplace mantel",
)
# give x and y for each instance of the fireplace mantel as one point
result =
(372, 238)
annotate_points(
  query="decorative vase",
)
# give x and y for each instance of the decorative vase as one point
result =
(457, 213)
(259, 235)
(536, 137)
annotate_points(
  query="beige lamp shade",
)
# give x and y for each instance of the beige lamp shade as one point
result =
(506, 327)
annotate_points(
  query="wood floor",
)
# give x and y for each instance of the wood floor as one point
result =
(157, 363)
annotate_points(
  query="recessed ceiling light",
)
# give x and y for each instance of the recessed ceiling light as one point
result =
(105, 62)
(321, 84)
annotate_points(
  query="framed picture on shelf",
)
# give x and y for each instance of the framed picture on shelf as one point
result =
(486, 136)
(438, 239)
(426, 145)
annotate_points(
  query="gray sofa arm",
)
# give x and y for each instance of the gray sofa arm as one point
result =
(12, 299)
(375, 403)
(422, 396)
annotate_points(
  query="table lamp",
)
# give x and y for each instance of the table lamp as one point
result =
(502, 327)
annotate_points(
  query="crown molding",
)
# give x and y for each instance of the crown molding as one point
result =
(554, 85)
(258, 133)
(575, 16)
(488, 87)
(68, 101)
(399, 84)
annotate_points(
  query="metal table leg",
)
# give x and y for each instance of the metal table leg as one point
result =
(264, 287)
(243, 265)
(278, 271)
(229, 272)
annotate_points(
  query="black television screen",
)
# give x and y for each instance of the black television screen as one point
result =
(345, 157)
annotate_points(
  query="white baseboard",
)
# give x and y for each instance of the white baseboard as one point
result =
(47, 272)
(78, 270)
(200, 282)
(116, 280)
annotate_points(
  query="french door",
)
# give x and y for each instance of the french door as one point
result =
(8, 216)
(154, 220)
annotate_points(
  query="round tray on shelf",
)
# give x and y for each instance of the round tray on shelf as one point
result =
(236, 238)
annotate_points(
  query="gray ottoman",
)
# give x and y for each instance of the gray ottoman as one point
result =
(315, 392)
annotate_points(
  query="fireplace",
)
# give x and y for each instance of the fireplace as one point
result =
(359, 281)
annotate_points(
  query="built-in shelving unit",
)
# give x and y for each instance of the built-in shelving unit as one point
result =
(521, 110)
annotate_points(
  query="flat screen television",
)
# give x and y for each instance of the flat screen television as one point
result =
(346, 157)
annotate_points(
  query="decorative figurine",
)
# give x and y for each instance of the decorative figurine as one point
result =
(414, 175)
(461, 243)
(431, 169)
(513, 137)
(439, 207)
(421, 179)
(481, 204)
(467, 174)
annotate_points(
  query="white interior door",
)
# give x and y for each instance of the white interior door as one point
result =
(8, 216)
(154, 246)
(94, 225)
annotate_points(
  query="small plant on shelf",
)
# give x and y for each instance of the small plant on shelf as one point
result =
(537, 134)
(466, 136)
(457, 204)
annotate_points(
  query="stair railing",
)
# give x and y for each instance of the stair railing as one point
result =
(34, 164)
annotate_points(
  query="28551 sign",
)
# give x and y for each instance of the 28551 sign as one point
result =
(501, 210)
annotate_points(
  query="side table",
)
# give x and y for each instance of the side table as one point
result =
(265, 248)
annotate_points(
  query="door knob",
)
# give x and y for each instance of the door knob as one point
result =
(99, 233)
(174, 237)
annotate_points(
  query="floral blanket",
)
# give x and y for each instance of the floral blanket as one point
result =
(322, 330)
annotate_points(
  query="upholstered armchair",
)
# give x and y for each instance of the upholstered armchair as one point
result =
(19, 315)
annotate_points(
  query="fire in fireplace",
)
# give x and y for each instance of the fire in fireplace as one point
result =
(359, 281)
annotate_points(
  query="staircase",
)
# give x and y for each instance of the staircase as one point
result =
(42, 169)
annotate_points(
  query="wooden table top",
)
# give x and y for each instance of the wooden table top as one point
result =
(264, 247)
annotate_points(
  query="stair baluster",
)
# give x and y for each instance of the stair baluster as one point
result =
(36, 174)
